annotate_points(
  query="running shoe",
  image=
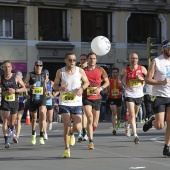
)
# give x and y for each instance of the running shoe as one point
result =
(119, 124)
(91, 146)
(148, 124)
(114, 131)
(15, 139)
(85, 137)
(72, 140)
(127, 129)
(50, 126)
(66, 154)
(80, 138)
(45, 136)
(166, 153)
(41, 141)
(136, 140)
(7, 145)
(33, 139)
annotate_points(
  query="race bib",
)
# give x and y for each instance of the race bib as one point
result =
(10, 97)
(90, 90)
(68, 97)
(38, 90)
(153, 98)
(135, 83)
(115, 92)
(21, 94)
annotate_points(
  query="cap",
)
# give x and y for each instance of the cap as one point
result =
(38, 62)
(165, 42)
(45, 71)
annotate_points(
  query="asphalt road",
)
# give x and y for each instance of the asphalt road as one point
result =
(111, 152)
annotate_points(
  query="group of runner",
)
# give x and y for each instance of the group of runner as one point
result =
(79, 88)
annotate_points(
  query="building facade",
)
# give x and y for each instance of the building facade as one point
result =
(48, 29)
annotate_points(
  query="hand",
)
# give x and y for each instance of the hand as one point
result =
(139, 77)
(63, 88)
(11, 91)
(166, 81)
(79, 91)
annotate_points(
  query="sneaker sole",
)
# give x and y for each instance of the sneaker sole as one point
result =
(15, 140)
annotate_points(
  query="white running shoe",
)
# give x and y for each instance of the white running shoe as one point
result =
(127, 129)
(50, 126)
(85, 137)
(45, 136)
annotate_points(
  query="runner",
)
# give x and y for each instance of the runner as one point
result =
(91, 98)
(159, 76)
(133, 92)
(9, 105)
(83, 137)
(115, 99)
(68, 81)
(37, 85)
(22, 98)
(49, 104)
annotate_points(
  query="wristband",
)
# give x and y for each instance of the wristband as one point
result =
(101, 88)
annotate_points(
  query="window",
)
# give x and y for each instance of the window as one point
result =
(11, 22)
(53, 24)
(95, 24)
(142, 26)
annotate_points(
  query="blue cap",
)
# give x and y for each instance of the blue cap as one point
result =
(45, 71)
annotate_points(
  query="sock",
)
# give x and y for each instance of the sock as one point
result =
(6, 139)
(84, 131)
(94, 128)
(135, 135)
(33, 132)
(67, 148)
(90, 140)
(41, 134)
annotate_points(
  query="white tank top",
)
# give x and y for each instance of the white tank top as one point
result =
(161, 72)
(69, 98)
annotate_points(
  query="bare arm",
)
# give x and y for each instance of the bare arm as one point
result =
(57, 80)
(150, 74)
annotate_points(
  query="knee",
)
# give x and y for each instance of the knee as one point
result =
(159, 126)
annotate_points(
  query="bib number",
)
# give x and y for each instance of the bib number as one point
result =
(115, 92)
(10, 97)
(68, 97)
(38, 90)
(90, 90)
(135, 83)
(153, 98)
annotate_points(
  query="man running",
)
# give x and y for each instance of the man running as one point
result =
(91, 98)
(68, 81)
(115, 99)
(133, 92)
(159, 76)
(10, 83)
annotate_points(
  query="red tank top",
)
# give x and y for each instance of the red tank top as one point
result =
(131, 80)
(115, 91)
(95, 78)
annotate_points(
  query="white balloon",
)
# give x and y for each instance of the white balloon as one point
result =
(100, 45)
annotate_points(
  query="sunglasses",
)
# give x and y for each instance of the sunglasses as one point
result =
(167, 45)
(39, 65)
(72, 60)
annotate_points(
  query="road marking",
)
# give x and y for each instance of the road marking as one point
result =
(139, 167)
